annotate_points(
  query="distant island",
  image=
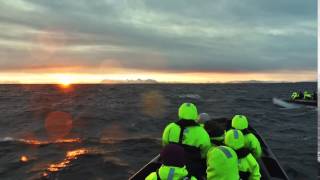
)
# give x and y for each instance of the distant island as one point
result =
(10, 82)
(266, 82)
(137, 81)
(152, 81)
(256, 82)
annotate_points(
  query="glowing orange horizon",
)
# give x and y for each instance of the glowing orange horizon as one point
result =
(66, 79)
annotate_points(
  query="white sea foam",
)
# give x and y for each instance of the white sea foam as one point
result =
(284, 104)
(6, 139)
(192, 96)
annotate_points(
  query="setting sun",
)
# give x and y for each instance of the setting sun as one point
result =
(65, 80)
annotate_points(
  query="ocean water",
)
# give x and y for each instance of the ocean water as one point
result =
(111, 131)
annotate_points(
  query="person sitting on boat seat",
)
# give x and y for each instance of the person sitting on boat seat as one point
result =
(295, 95)
(252, 143)
(222, 164)
(307, 95)
(173, 165)
(203, 118)
(247, 164)
(300, 95)
(191, 136)
(216, 132)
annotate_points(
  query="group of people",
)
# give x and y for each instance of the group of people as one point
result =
(196, 148)
(306, 95)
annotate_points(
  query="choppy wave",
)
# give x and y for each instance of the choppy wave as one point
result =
(113, 140)
(83, 158)
(191, 96)
(103, 140)
(117, 137)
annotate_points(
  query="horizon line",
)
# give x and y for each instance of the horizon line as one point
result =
(96, 83)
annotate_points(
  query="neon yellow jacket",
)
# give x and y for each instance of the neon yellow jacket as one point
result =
(195, 136)
(252, 143)
(307, 95)
(295, 95)
(170, 173)
(250, 165)
(222, 164)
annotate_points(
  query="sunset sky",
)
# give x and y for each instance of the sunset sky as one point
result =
(80, 41)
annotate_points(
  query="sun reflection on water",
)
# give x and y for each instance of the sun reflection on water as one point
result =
(24, 158)
(39, 142)
(70, 155)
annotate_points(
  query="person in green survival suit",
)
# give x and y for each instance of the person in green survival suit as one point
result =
(307, 95)
(216, 128)
(247, 164)
(222, 164)
(252, 143)
(191, 136)
(295, 95)
(216, 132)
(173, 165)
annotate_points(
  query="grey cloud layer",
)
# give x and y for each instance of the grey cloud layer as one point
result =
(177, 36)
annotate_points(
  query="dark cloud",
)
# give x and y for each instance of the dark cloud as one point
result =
(178, 36)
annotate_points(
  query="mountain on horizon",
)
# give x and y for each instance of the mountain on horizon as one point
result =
(137, 81)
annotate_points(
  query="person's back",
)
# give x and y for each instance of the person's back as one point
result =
(252, 143)
(247, 164)
(190, 135)
(222, 164)
(194, 136)
(173, 165)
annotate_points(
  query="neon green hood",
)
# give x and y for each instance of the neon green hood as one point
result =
(234, 139)
(239, 122)
(177, 173)
(188, 111)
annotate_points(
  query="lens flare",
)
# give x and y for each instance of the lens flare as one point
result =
(58, 124)
(154, 104)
